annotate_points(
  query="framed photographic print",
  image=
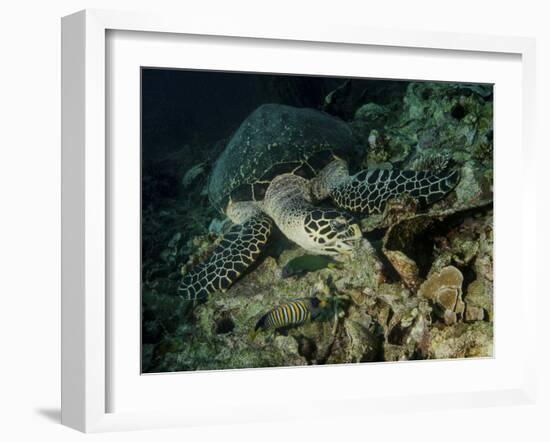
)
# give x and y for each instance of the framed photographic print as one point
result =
(248, 212)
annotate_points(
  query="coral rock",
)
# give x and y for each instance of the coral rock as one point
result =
(462, 340)
(444, 288)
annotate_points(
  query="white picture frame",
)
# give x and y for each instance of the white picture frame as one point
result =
(86, 206)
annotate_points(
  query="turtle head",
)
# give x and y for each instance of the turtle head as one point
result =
(331, 232)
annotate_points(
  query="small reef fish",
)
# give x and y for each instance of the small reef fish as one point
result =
(290, 314)
(309, 263)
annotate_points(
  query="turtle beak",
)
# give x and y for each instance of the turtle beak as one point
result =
(354, 235)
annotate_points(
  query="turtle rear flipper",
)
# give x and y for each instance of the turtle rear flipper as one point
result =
(368, 191)
(239, 248)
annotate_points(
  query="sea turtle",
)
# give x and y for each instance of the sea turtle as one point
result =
(278, 166)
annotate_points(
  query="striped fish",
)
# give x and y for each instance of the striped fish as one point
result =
(292, 313)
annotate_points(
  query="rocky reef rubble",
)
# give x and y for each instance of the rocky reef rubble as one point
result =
(419, 286)
(374, 313)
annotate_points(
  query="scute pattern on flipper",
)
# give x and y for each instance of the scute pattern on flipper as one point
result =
(370, 190)
(239, 248)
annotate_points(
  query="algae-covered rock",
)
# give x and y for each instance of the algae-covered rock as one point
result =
(462, 341)
(435, 123)
(373, 115)
(479, 294)
(405, 266)
(368, 319)
(372, 316)
(223, 324)
(407, 325)
(364, 345)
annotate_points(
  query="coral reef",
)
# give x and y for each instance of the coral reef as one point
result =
(419, 286)
(434, 123)
(444, 289)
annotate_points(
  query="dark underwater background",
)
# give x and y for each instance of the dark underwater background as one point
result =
(187, 119)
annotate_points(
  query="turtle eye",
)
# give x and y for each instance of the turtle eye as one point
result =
(339, 224)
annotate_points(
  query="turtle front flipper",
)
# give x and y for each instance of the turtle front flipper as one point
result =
(239, 248)
(368, 191)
